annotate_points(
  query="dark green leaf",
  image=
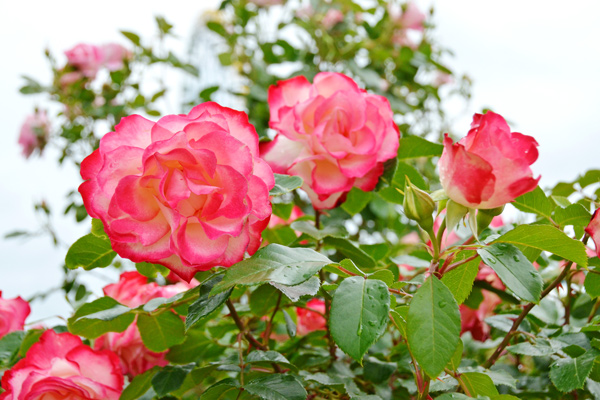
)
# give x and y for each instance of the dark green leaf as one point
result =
(359, 314)
(139, 385)
(215, 391)
(377, 371)
(100, 316)
(277, 387)
(433, 326)
(10, 344)
(267, 358)
(592, 283)
(274, 263)
(285, 184)
(206, 304)
(90, 252)
(569, 374)
(169, 379)
(319, 234)
(159, 332)
(513, 268)
(415, 146)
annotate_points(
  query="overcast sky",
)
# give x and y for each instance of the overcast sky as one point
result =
(534, 63)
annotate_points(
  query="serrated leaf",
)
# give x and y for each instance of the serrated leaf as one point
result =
(478, 384)
(169, 379)
(568, 374)
(358, 256)
(460, 280)
(457, 356)
(541, 348)
(103, 315)
(139, 385)
(274, 263)
(159, 332)
(547, 238)
(285, 184)
(89, 252)
(356, 201)
(214, 392)
(269, 357)
(308, 288)
(359, 314)
(277, 387)
(433, 326)
(535, 202)
(308, 228)
(384, 275)
(415, 147)
(206, 303)
(574, 214)
(513, 268)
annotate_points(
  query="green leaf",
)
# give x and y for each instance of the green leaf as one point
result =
(159, 332)
(169, 379)
(547, 238)
(478, 384)
(308, 288)
(460, 280)
(356, 201)
(277, 387)
(358, 256)
(274, 263)
(513, 268)
(290, 326)
(319, 234)
(592, 283)
(433, 326)
(457, 356)
(359, 314)
(402, 171)
(98, 228)
(264, 299)
(216, 391)
(103, 315)
(267, 358)
(135, 39)
(377, 371)
(139, 385)
(32, 337)
(568, 374)
(151, 270)
(384, 275)
(454, 214)
(535, 202)
(541, 348)
(285, 184)
(574, 214)
(10, 344)
(453, 396)
(400, 315)
(90, 252)
(206, 303)
(415, 147)
(589, 178)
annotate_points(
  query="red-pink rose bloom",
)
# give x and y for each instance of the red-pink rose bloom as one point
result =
(13, 313)
(593, 229)
(473, 320)
(490, 166)
(331, 133)
(188, 192)
(60, 367)
(134, 290)
(332, 17)
(87, 58)
(308, 320)
(34, 133)
(114, 55)
(294, 215)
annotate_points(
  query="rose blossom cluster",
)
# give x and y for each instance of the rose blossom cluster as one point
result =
(331, 133)
(188, 192)
(13, 313)
(34, 133)
(133, 290)
(87, 59)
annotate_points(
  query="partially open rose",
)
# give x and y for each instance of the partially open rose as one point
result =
(188, 192)
(333, 134)
(13, 313)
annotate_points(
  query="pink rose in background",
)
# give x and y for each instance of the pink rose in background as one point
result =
(441, 78)
(332, 17)
(593, 229)
(308, 320)
(85, 57)
(275, 220)
(60, 367)
(473, 320)
(13, 313)
(188, 192)
(490, 166)
(333, 134)
(34, 133)
(133, 290)
(266, 3)
(114, 55)
(407, 20)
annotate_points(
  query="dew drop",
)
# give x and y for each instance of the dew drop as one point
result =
(442, 303)
(492, 260)
(516, 258)
(502, 245)
(360, 329)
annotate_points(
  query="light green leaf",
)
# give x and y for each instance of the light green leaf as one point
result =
(433, 326)
(139, 385)
(460, 280)
(535, 202)
(415, 147)
(274, 263)
(159, 332)
(308, 288)
(478, 384)
(267, 358)
(277, 387)
(308, 228)
(569, 374)
(356, 201)
(513, 268)
(285, 184)
(359, 314)
(592, 283)
(574, 214)
(384, 275)
(100, 316)
(89, 252)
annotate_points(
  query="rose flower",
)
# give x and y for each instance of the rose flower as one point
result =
(13, 313)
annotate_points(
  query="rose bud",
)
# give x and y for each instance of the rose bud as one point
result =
(418, 205)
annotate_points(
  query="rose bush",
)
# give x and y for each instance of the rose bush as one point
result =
(60, 367)
(13, 313)
(331, 133)
(89, 58)
(188, 192)
(490, 166)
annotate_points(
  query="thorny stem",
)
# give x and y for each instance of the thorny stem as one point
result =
(242, 328)
(494, 357)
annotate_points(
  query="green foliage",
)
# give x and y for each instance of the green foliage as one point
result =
(568, 374)
(460, 280)
(90, 252)
(100, 316)
(285, 184)
(161, 331)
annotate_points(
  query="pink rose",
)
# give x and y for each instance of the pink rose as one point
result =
(59, 367)
(13, 313)
(276, 221)
(473, 320)
(113, 56)
(332, 18)
(333, 134)
(188, 192)
(409, 18)
(490, 166)
(593, 229)
(308, 320)
(134, 290)
(87, 58)
(34, 133)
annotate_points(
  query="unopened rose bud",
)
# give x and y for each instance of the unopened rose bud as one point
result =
(418, 205)
(485, 216)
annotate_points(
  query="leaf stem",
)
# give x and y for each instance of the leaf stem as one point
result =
(328, 317)
(270, 323)
(242, 328)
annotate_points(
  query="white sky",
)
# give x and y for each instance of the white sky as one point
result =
(535, 62)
